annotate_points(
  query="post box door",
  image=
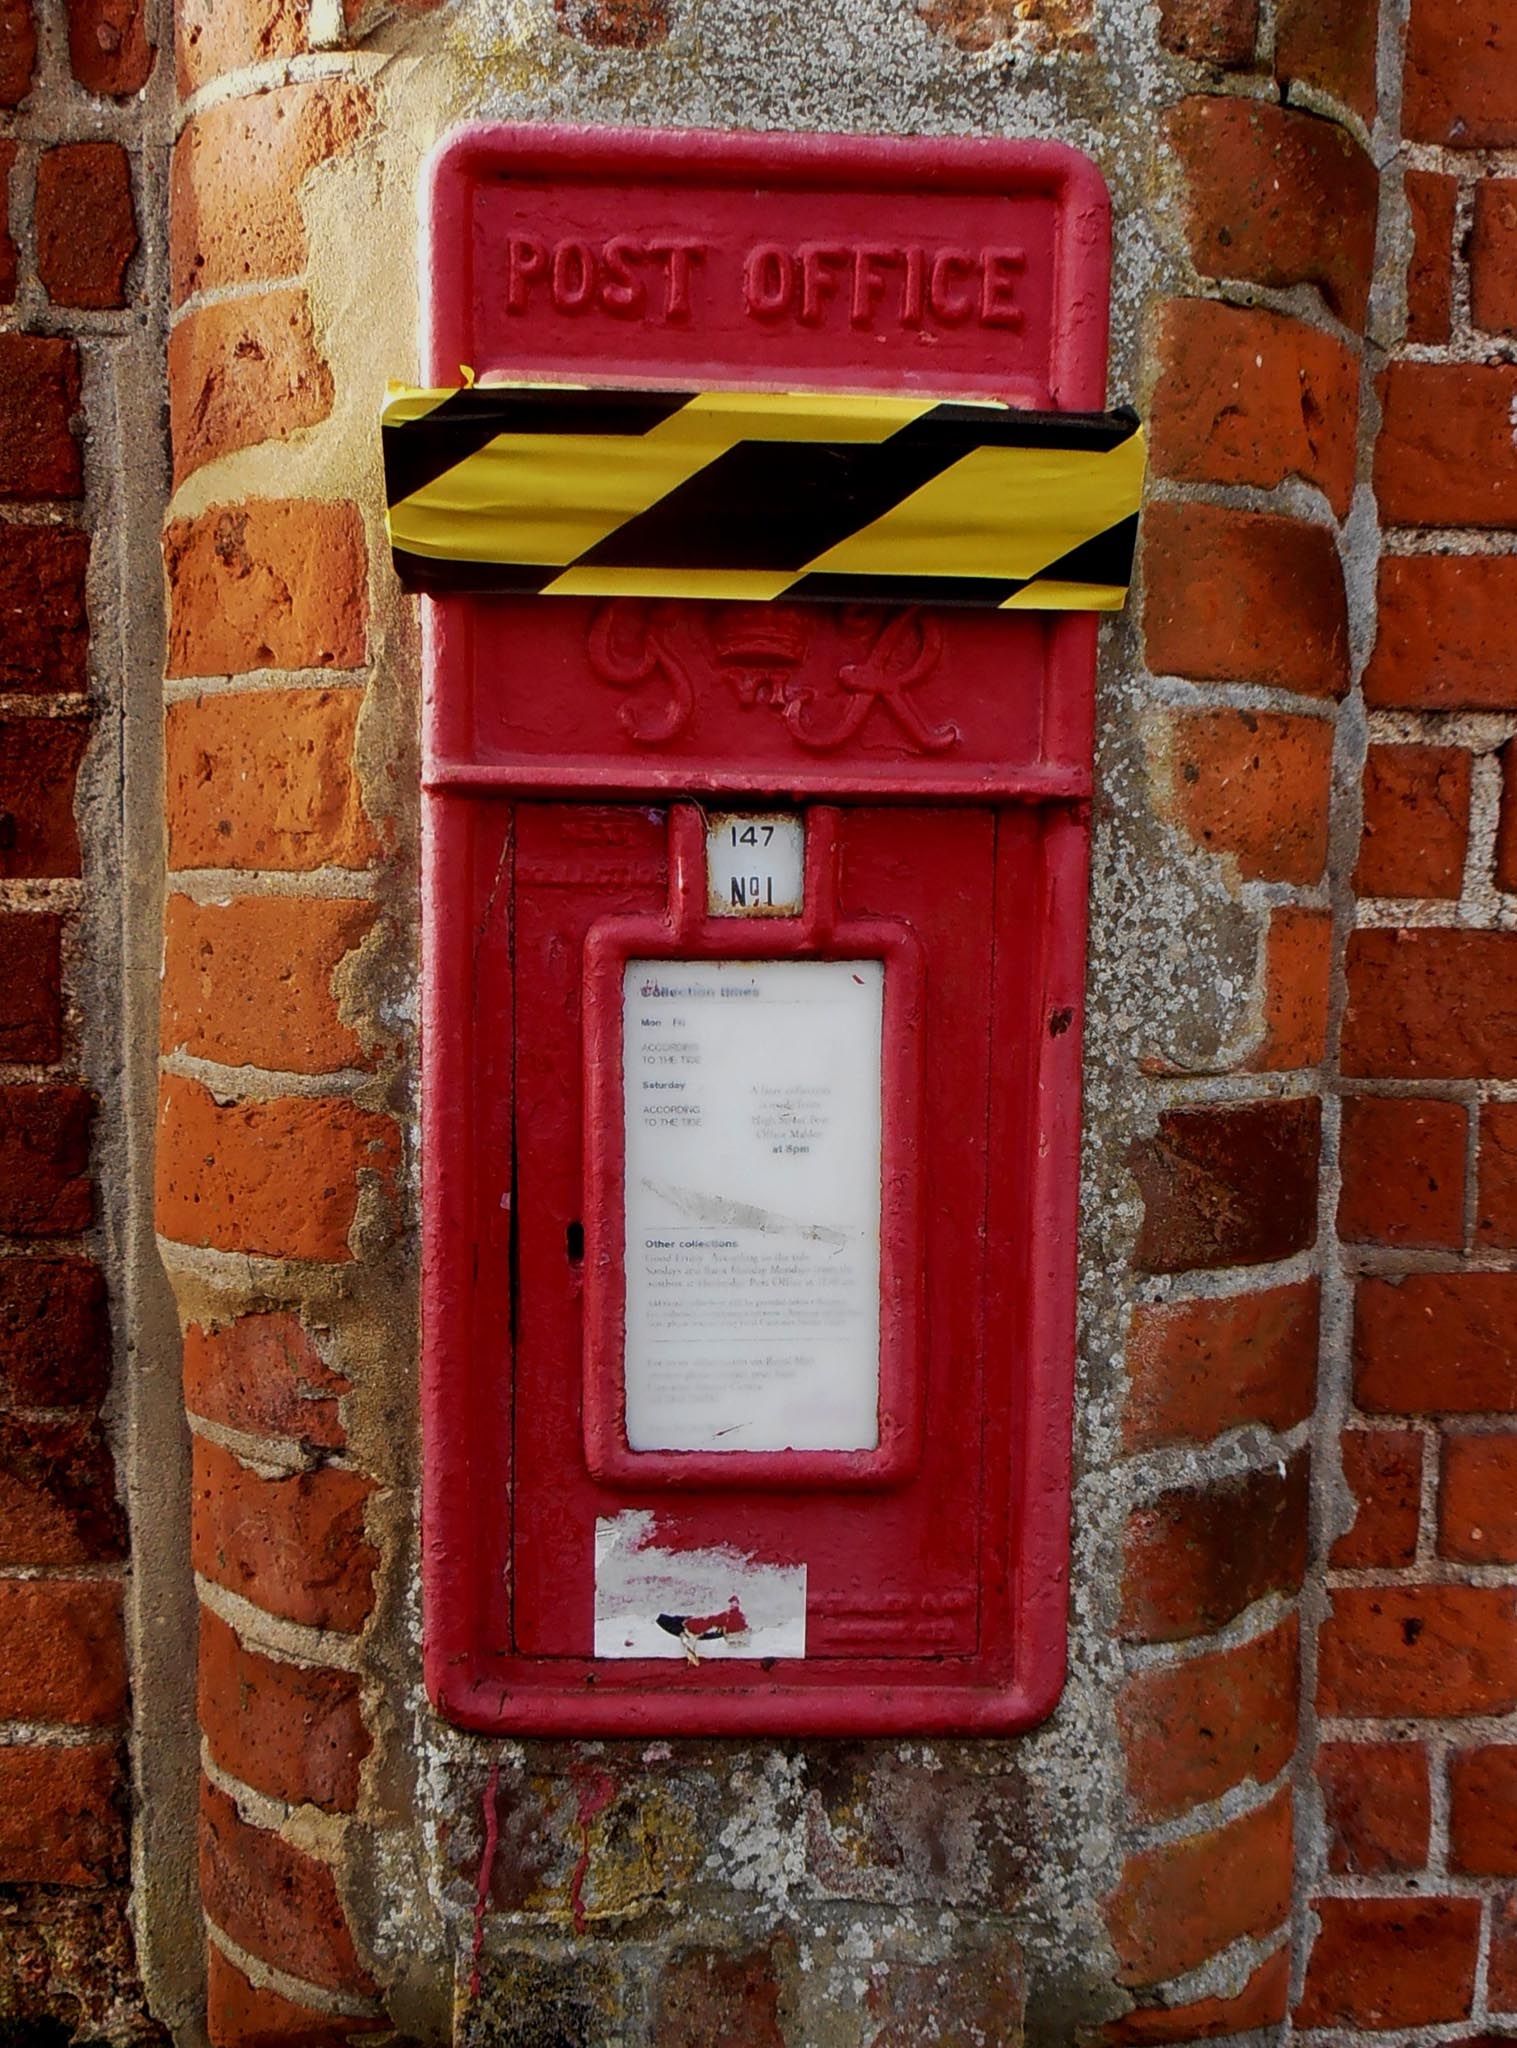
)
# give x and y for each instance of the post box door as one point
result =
(892, 1569)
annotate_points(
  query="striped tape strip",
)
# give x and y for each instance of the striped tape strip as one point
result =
(723, 494)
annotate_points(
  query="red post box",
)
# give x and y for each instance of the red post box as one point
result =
(754, 939)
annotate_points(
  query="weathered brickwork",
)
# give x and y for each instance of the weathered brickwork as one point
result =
(277, 1160)
(1254, 420)
(1279, 1799)
(71, 298)
(1414, 1658)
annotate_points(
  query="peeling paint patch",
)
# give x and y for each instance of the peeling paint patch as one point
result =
(696, 1604)
(486, 1872)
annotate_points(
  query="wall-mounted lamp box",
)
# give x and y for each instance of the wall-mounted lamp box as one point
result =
(754, 940)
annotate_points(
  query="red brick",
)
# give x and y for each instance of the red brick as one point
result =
(210, 38)
(1234, 1185)
(1501, 1991)
(262, 1372)
(1298, 960)
(1261, 2003)
(1493, 256)
(615, 25)
(1483, 1810)
(45, 1189)
(1437, 1343)
(7, 243)
(86, 224)
(1505, 865)
(1445, 454)
(1220, 32)
(1179, 1904)
(57, 1493)
(18, 51)
(976, 1993)
(1277, 197)
(1477, 1499)
(1377, 1806)
(44, 630)
(60, 1818)
(1496, 1166)
(1448, 634)
(294, 748)
(1382, 1469)
(706, 1995)
(1200, 1554)
(1435, 1004)
(250, 982)
(1432, 198)
(291, 1730)
(1403, 1171)
(235, 178)
(1253, 787)
(62, 1651)
(271, 583)
(1416, 822)
(293, 1546)
(31, 992)
(1251, 397)
(67, 1962)
(1201, 1367)
(39, 395)
(273, 1900)
(1460, 64)
(108, 48)
(54, 1333)
(241, 372)
(240, 2015)
(1192, 1731)
(1418, 1652)
(1213, 608)
(1391, 1963)
(39, 760)
(278, 1178)
(1330, 44)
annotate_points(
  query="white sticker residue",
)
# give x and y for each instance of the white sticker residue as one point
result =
(691, 1604)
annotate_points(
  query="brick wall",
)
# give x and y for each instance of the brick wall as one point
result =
(1375, 857)
(1280, 1797)
(72, 283)
(1416, 1674)
(277, 1161)
(1256, 372)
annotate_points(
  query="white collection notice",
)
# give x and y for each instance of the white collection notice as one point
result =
(752, 1204)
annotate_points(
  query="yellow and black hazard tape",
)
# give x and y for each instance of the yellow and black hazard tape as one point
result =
(571, 492)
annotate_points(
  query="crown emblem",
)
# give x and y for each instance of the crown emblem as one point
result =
(761, 636)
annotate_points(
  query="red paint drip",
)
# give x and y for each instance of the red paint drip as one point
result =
(486, 1872)
(596, 1792)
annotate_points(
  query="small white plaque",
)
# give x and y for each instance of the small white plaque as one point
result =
(752, 1204)
(755, 866)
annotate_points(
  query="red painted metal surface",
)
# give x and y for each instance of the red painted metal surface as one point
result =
(568, 749)
(684, 932)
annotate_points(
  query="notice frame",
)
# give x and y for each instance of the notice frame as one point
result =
(688, 933)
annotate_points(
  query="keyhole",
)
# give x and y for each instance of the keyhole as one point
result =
(574, 1243)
